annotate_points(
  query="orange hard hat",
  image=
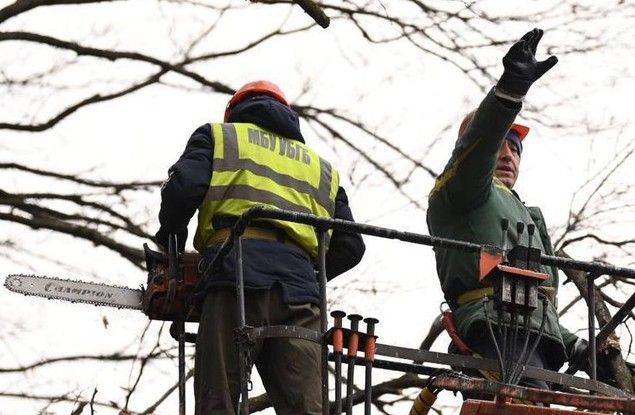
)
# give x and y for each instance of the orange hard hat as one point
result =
(255, 88)
(519, 129)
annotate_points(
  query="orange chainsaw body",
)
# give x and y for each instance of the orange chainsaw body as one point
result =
(167, 297)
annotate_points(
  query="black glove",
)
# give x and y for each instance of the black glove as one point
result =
(161, 239)
(521, 67)
(603, 366)
(576, 354)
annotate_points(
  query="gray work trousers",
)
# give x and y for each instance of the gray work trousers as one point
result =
(289, 368)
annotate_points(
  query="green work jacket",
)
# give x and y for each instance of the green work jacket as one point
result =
(469, 203)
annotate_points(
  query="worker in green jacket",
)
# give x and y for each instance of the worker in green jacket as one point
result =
(475, 193)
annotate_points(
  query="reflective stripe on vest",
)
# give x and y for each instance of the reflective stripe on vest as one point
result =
(253, 167)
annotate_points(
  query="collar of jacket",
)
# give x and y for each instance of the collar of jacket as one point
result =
(269, 114)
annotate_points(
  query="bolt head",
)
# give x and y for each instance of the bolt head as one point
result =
(338, 314)
(371, 320)
(354, 317)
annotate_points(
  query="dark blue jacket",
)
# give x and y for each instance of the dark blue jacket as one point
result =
(266, 263)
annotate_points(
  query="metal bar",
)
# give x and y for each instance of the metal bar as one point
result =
(350, 379)
(344, 225)
(591, 267)
(617, 318)
(353, 343)
(469, 362)
(591, 316)
(240, 283)
(181, 331)
(179, 324)
(455, 383)
(291, 332)
(338, 346)
(338, 383)
(324, 324)
(322, 235)
(223, 250)
(425, 356)
(391, 365)
(606, 330)
(348, 226)
(369, 357)
(482, 385)
(243, 402)
(326, 223)
(368, 387)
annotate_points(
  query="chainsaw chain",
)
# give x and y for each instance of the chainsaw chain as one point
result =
(9, 284)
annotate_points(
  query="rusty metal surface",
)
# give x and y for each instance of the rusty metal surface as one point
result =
(293, 332)
(424, 356)
(475, 407)
(469, 362)
(453, 383)
(601, 403)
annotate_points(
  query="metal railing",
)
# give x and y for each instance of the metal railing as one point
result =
(322, 226)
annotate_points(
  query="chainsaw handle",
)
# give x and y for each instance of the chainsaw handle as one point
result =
(173, 257)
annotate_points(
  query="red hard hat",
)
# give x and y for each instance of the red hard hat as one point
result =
(254, 88)
(519, 129)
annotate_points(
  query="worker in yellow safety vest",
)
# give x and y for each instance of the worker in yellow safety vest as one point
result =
(258, 157)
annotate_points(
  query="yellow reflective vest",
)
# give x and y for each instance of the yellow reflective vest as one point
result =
(255, 167)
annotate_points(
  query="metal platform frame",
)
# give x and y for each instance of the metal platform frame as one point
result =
(615, 399)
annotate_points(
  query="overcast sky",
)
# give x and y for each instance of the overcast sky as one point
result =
(405, 94)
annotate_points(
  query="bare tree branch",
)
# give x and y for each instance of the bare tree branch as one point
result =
(40, 221)
(622, 375)
(112, 357)
(116, 187)
(22, 6)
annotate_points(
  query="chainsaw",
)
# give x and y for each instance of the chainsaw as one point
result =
(169, 295)
(172, 280)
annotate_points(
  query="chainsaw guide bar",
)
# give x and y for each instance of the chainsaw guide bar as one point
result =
(75, 291)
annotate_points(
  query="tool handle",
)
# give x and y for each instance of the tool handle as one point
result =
(338, 340)
(369, 349)
(353, 344)
(423, 403)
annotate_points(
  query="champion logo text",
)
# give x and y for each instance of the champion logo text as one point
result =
(60, 288)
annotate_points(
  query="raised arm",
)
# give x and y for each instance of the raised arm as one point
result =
(465, 182)
(466, 179)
